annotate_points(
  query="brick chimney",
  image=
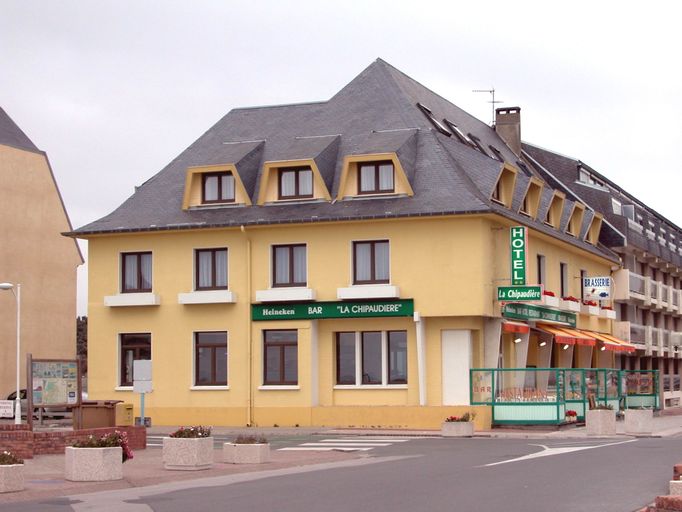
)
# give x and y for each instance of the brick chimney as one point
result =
(508, 127)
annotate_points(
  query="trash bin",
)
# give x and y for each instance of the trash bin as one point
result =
(124, 415)
(100, 413)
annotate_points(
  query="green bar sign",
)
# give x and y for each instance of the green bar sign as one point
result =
(341, 309)
(519, 293)
(518, 255)
(537, 313)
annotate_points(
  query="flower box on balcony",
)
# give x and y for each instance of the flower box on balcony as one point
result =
(588, 309)
(607, 313)
(549, 299)
(570, 304)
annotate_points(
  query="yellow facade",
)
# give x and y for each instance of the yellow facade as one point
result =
(450, 267)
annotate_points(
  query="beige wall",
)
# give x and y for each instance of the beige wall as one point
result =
(35, 254)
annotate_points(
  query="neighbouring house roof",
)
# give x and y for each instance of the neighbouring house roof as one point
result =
(377, 112)
(12, 135)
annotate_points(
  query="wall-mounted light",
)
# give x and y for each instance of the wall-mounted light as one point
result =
(517, 340)
(602, 348)
(543, 343)
(566, 346)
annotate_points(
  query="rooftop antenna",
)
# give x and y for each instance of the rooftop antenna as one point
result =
(490, 91)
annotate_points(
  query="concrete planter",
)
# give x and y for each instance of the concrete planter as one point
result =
(589, 310)
(552, 302)
(607, 313)
(600, 422)
(639, 421)
(256, 453)
(187, 453)
(93, 464)
(457, 429)
(11, 478)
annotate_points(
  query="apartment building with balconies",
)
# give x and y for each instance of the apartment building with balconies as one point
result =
(647, 289)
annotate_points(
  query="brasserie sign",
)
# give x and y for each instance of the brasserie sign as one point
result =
(340, 309)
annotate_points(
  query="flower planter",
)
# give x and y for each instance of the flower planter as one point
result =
(570, 305)
(187, 453)
(607, 313)
(550, 301)
(600, 422)
(93, 464)
(639, 421)
(256, 453)
(11, 478)
(457, 429)
(589, 310)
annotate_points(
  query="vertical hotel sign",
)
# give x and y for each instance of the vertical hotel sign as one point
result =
(518, 243)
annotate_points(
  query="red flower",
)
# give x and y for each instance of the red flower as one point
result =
(548, 293)
(570, 298)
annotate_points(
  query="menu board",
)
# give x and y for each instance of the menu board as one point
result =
(54, 382)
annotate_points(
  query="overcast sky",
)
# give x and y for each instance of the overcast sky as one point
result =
(113, 90)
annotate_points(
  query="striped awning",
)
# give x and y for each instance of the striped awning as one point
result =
(566, 335)
(612, 343)
(517, 327)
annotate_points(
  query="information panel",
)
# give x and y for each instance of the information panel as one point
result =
(54, 382)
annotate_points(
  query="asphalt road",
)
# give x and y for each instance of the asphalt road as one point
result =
(431, 474)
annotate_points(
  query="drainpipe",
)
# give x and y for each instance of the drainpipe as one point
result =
(420, 329)
(249, 350)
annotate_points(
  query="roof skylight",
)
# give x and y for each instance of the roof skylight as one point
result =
(437, 124)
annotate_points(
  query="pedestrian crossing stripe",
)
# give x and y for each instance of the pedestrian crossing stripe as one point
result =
(345, 444)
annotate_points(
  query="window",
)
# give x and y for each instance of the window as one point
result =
(211, 269)
(370, 262)
(583, 275)
(210, 358)
(134, 347)
(496, 153)
(436, 124)
(371, 358)
(136, 275)
(541, 269)
(563, 270)
(289, 265)
(376, 178)
(217, 187)
(296, 183)
(280, 350)
(477, 143)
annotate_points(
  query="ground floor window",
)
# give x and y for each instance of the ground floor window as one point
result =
(210, 358)
(371, 358)
(280, 361)
(134, 347)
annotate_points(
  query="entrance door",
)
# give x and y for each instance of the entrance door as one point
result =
(456, 361)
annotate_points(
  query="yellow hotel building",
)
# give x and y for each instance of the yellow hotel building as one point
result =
(337, 263)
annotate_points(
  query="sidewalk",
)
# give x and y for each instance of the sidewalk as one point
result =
(44, 474)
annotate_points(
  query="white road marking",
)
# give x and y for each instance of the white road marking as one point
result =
(346, 444)
(546, 452)
(325, 449)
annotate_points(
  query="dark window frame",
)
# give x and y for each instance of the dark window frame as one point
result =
(362, 358)
(281, 345)
(292, 282)
(563, 278)
(220, 175)
(377, 187)
(214, 267)
(373, 244)
(542, 270)
(138, 278)
(127, 342)
(297, 186)
(387, 371)
(389, 379)
(212, 346)
(339, 381)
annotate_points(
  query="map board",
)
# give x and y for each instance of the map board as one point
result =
(54, 382)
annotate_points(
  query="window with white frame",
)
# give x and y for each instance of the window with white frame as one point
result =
(371, 358)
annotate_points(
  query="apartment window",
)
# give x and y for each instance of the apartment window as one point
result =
(371, 358)
(563, 270)
(583, 275)
(210, 358)
(370, 262)
(296, 183)
(211, 269)
(280, 350)
(541, 269)
(289, 265)
(376, 178)
(134, 347)
(217, 187)
(136, 275)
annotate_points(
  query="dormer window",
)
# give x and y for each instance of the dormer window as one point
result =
(217, 187)
(296, 183)
(376, 178)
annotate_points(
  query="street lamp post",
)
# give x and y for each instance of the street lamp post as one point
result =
(17, 296)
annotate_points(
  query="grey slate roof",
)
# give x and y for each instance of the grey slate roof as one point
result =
(12, 135)
(376, 112)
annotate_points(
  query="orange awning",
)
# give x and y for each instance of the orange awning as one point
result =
(613, 343)
(567, 335)
(581, 337)
(517, 327)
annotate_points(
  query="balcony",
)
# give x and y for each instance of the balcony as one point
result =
(629, 287)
